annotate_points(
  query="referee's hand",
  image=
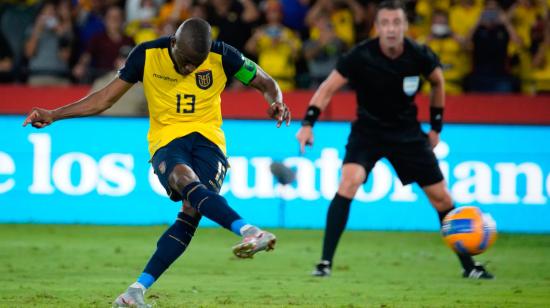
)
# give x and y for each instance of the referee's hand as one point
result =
(305, 137)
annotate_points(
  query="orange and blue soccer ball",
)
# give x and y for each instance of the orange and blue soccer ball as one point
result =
(467, 230)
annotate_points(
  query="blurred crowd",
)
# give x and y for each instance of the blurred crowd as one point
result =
(484, 45)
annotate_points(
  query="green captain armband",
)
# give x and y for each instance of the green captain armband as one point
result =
(247, 72)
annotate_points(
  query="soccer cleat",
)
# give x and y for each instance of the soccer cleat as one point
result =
(133, 297)
(478, 272)
(322, 269)
(254, 240)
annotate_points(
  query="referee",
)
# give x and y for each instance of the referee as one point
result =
(385, 74)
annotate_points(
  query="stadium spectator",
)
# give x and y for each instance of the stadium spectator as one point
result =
(19, 17)
(322, 53)
(232, 20)
(541, 62)
(133, 102)
(422, 15)
(186, 141)
(141, 26)
(490, 40)
(463, 17)
(276, 47)
(385, 72)
(6, 60)
(294, 15)
(450, 49)
(89, 21)
(175, 11)
(142, 10)
(344, 14)
(103, 48)
(48, 47)
(524, 15)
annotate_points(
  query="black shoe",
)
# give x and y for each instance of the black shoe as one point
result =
(478, 272)
(322, 269)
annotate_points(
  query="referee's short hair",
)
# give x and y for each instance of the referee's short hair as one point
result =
(391, 5)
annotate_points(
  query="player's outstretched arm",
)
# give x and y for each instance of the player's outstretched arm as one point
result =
(278, 110)
(92, 104)
(320, 100)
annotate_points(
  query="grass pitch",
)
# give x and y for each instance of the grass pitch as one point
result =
(88, 266)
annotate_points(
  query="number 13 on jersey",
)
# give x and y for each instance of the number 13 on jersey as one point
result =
(189, 103)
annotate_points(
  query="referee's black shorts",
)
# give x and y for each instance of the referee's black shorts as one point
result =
(413, 160)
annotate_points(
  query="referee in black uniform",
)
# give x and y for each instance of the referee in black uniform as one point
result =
(385, 74)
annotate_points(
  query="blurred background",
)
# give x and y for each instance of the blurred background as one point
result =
(494, 154)
(495, 150)
(485, 46)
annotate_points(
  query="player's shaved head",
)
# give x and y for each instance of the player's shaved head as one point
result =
(191, 44)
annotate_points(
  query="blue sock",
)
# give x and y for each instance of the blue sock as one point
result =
(170, 246)
(237, 225)
(146, 280)
(210, 204)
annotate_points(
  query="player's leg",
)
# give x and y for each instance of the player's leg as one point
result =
(353, 176)
(215, 207)
(170, 246)
(210, 165)
(441, 200)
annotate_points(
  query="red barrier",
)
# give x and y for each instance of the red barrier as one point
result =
(495, 109)
(17, 99)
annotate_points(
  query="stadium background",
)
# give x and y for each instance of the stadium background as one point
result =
(495, 150)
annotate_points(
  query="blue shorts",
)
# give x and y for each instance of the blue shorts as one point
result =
(200, 154)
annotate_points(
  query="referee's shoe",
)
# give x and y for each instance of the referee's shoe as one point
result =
(478, 272)
(322, 269)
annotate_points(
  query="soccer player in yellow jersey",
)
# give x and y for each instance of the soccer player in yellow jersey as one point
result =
(183, 77)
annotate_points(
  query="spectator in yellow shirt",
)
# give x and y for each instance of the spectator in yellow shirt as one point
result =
(276, 47)
(541, 62)
(463, 17)
(450, 49)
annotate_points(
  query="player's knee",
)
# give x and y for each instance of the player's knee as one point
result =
(181, 176)
(189, 210)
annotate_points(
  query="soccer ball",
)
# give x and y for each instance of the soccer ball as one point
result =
(467, 230)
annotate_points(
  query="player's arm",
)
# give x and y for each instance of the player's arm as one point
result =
(320, 100)
(250, 74)
(437, 104)
(92, 104)
(98, 101)
(272, 94)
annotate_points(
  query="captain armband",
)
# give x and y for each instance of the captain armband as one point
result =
(436, 118)
(312, 115)
(247, 72)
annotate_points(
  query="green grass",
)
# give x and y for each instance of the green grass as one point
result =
(88, 266)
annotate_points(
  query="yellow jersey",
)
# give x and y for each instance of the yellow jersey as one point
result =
(180, 105)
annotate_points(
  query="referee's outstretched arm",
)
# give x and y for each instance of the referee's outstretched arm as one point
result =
(320, 100)
(437, 103)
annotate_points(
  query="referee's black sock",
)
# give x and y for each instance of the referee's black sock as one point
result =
(170, 246)
(466, 261)
(337, 217)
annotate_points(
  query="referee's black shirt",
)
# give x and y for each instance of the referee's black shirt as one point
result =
(386, 88)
